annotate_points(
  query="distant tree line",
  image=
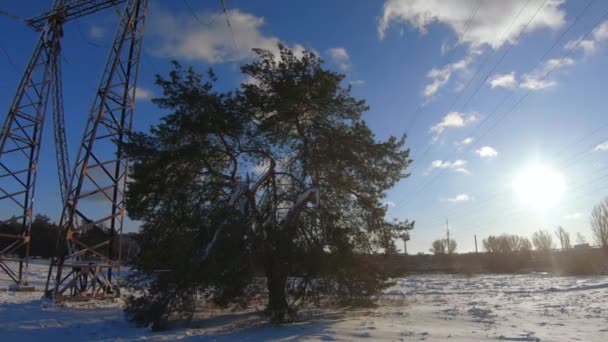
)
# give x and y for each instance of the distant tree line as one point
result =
(442, 246)
(45, 234)
(513, 253)
(542, 240)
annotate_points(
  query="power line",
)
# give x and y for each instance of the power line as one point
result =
(547, 74)
(505, 53)
(506, 97)
(82, 35)
(223, 3)
(592, 133)
(479, 69)
(579, 184)
(519, 211)
(4, 50)
(209, 23)
(450, 57)
(12, 16)
(579, 193)
(9, 58)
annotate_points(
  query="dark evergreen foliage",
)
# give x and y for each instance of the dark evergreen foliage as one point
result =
(282, 175)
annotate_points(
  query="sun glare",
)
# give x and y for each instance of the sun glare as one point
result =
(539, 187)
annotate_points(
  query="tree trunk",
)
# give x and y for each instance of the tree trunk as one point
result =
(277, 257)
(276, 276)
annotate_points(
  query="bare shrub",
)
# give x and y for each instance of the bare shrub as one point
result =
(542, 240)
(599, 223)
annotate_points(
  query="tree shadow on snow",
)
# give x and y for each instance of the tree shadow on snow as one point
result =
(253, 326)
(39, 320)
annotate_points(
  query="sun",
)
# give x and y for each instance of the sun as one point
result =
(539, 187)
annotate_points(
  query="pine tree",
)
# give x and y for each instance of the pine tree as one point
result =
(282, 174)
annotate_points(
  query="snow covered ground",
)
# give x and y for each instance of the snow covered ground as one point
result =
(422, 307)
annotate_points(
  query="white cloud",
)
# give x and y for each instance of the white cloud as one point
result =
(97, 32)
(487, 152)
(587, 45)
(601, 32)
(298, 51)
(389, 204)
(460, 198)
(440, 76)
(467, 141)
(503, 80)
(458, 165)
(598, 35)
(459, 162)
(143, 94)
(452, 119)
(464, 142)
(536, 79)
(357, 82)
(492, 26)
(439, 79)
(533, 83)
(489, 25)
(573, 216)
(440, 164)
(556, 63)
(180, 35)
(340, 57)
(601, 147)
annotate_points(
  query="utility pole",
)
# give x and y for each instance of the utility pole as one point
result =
(476, 244)
(447, 227)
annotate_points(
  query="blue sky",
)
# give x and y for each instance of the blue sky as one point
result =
(484, 89)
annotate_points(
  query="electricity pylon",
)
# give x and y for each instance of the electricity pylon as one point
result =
(20, 139)
(93, 213)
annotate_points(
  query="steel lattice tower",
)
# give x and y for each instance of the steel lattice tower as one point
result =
(109, 121)
(20, 139)
(93, 213)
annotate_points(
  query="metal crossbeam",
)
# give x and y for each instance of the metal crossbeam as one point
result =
(70, 10)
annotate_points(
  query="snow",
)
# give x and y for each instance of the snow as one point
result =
(534, 307)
